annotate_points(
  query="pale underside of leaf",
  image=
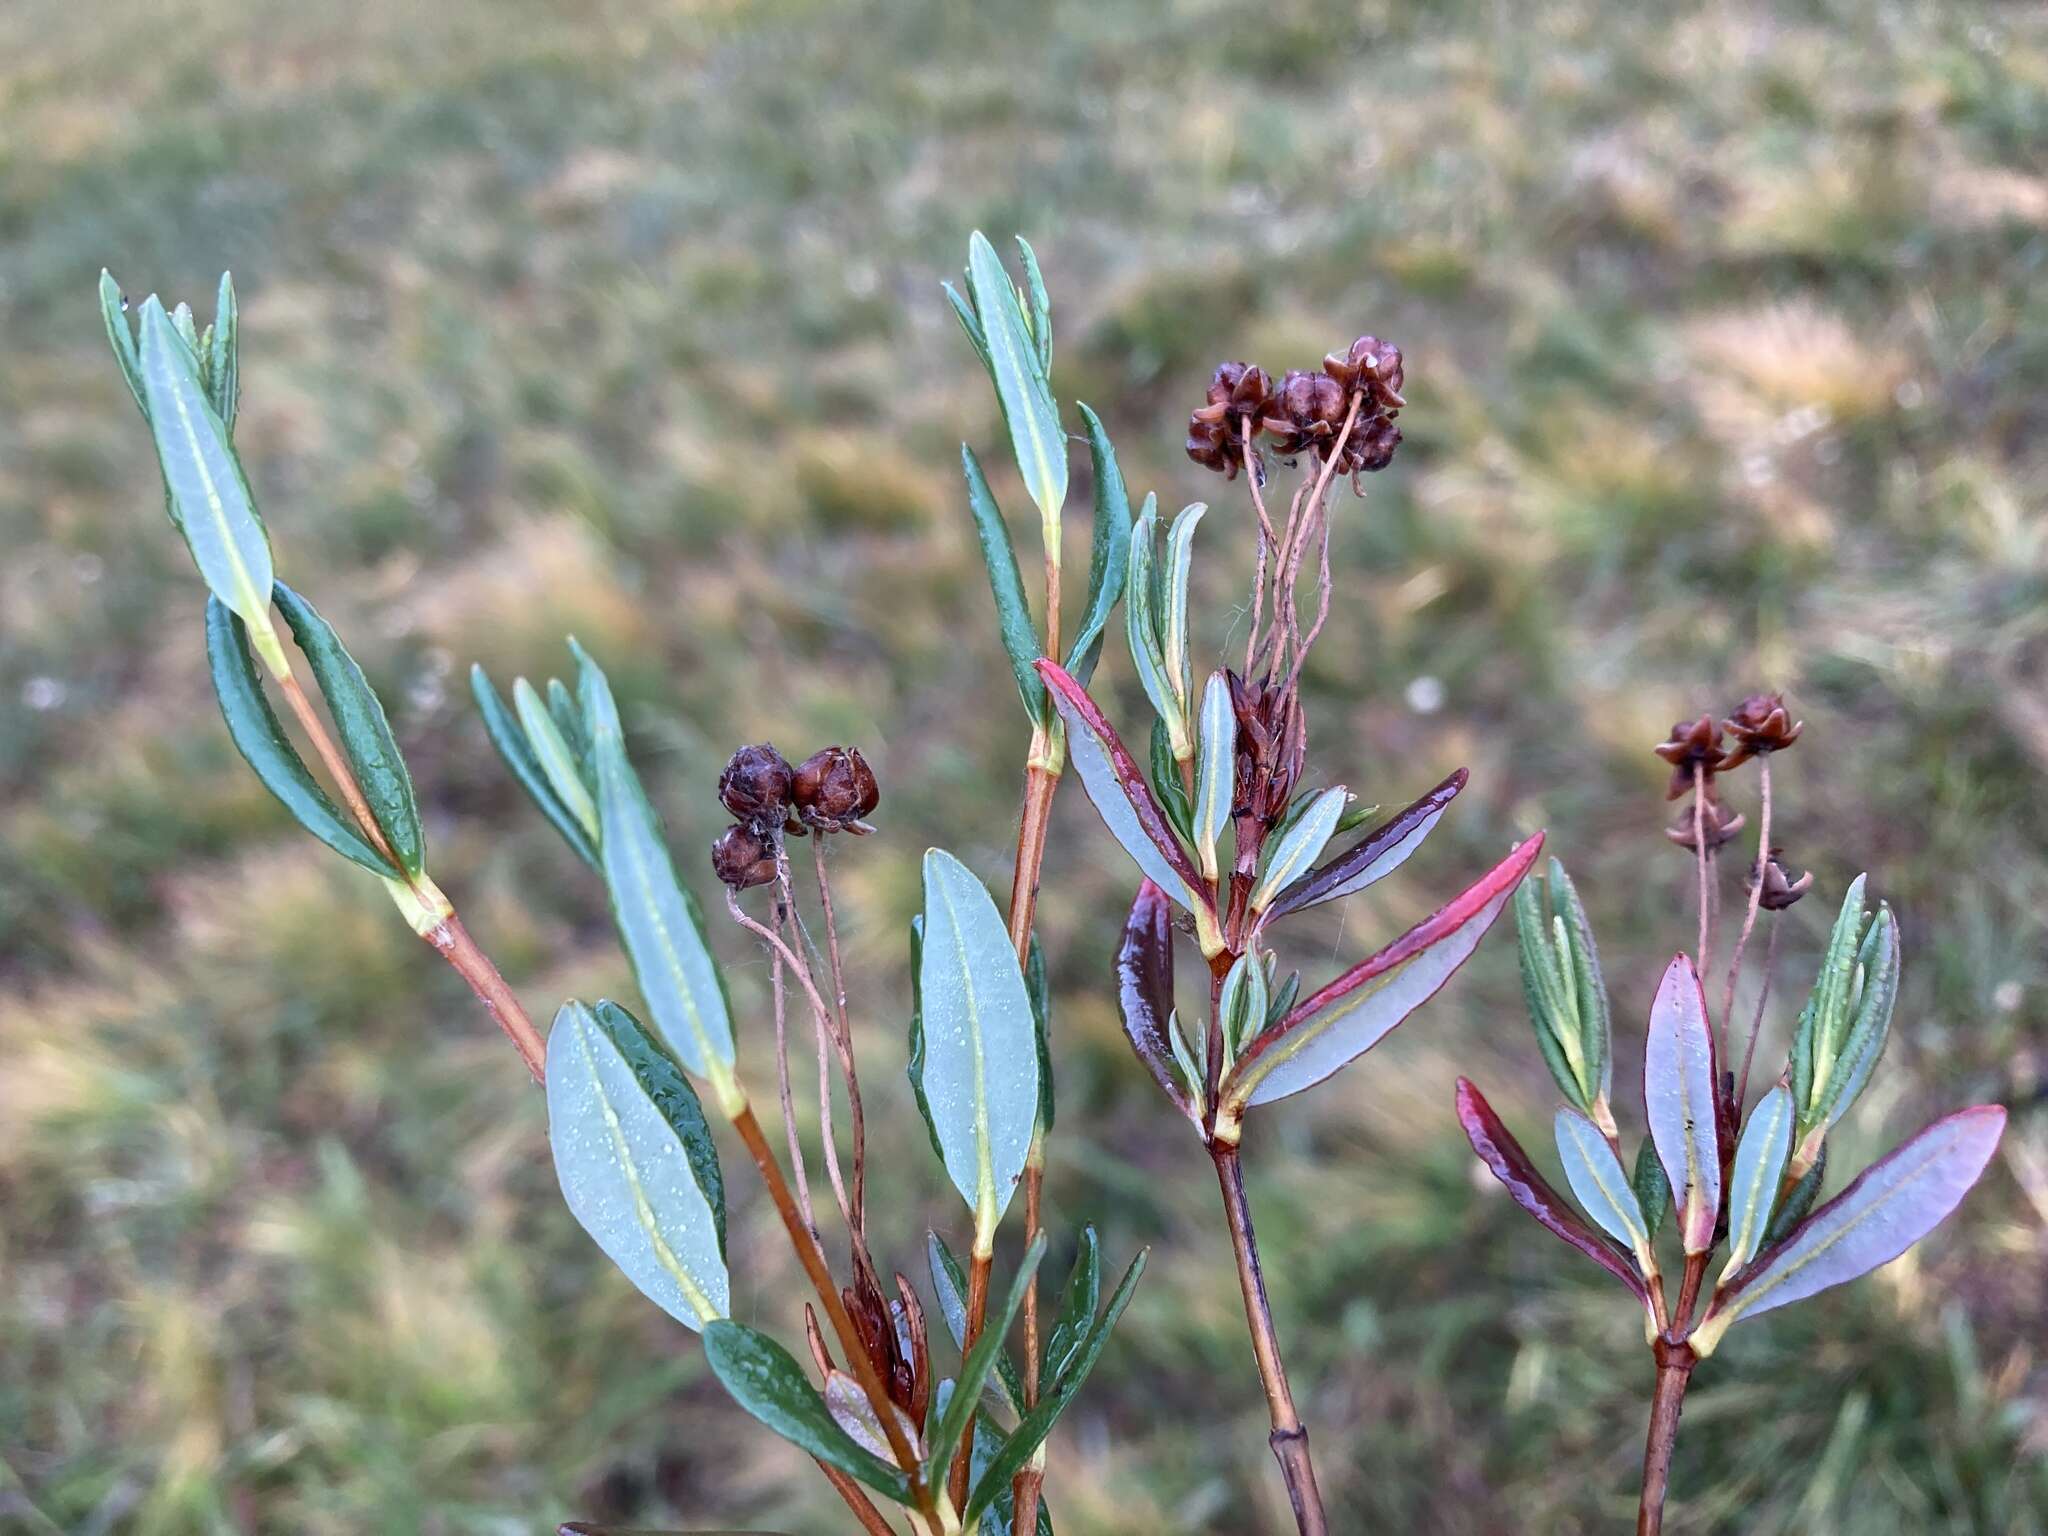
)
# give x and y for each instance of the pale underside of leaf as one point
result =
(1679, 1098)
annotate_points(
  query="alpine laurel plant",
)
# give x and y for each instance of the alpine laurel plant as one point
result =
(633, 1149)
(1744, 1184)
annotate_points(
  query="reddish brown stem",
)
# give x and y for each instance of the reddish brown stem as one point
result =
(863, 1507)
(977, 1318)
(452, 942)
(1024, 1488)
(1756, 894)
(1675, 1364)
(812, 1256)
(336, 764)
(1700, 858)
(1290, 1436)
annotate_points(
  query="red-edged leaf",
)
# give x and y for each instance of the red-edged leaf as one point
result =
(1144, 987)
(1354, 1013)
(1374, 856)
(1510, 1164)
(1682, 1105)
(1894, 1203)
(1116, 787)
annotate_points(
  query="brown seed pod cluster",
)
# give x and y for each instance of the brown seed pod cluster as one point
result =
(832, 790)
(1759, 725)
(1304, 412)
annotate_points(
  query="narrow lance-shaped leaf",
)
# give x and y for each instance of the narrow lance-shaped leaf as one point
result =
(506, 735)
(970, 322)
(1117, 789)
(568, 718)
(1143, 628)
(1037, 1424)
(981, 1051)
(1241, 1005)
(1215, 772)
(1753, 1181)
(1373, 857)
(1824, 1016)
(1501, 1153)
(998, 1519)
(1110, 555)
(1039, 988)
(1870, 1021)
(1144, 988)
(556, 757)
(1680, 1099)
(261, 739)
(1552, 1007)
(949, 1285)
(1040, 312)
(658, 920)
(1653, 1190)
(1173, 629)
(974, 1370)
(1598, 1182)
(1021, 384)
(1168, 786)
(215, 510)
(114, 312)
(1596, 1027)
(635, 1160)
(915, 1066)
(765, 1379)
(847, 1401)
(1297, 846)
(223, 354)
(1075, 1313)
(365, 734)
(1013, 611)
(1896, 1202)
(1355, 1012)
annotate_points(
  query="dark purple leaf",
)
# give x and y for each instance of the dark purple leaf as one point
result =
(1379, 853)
(1144, 987)
(1510, 1164)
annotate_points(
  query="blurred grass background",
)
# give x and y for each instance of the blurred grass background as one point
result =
(1727, 344)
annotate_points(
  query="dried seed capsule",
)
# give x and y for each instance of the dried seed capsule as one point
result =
(1697, 744)
(756, 785)
(835, 788)
(742, 858)
(1760, 725)
(1718, 823)
(1780, 889)
(1372, 364)
(1239, 395)
(1308, 409)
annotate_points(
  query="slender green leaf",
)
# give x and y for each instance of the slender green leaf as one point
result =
(1596, 1028)
(510, 740)
(556, 757)
(1598, 1181)
(1040, 313)
(366, 739)
(998, 1519)
(262, 741)
(970, 322)
(974, 1370)
(568, 718)
(658, 919)
(635, 1160)
(1241, 1005)
(981, 1049)
(1167, 784)
(1753, 1182)
(1822, 1021)
(1013, 611)
(1173, 629)
(1653, 1190)
(1297, 847)
(1037, 1424)
(765, 1379)
(949, 1285)
(1075, 1313)
(1021, 384)
(1109, 559)
(121, 336)
(1799, 1199)
(222, 364)
(1142, 627)
(1039, 987)
(216, 512)
(1215, 772)
(1870, 1020)
(915, 1066)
